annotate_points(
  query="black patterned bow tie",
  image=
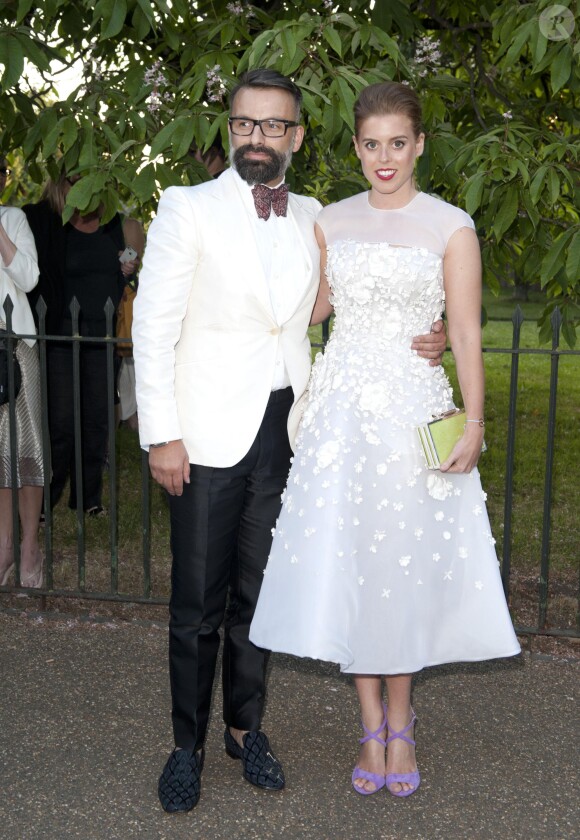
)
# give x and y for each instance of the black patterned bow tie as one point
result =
(266, 199)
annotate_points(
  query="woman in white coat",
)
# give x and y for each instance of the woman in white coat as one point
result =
(18, 275)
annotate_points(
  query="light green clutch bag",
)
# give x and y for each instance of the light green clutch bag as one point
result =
(439, 436)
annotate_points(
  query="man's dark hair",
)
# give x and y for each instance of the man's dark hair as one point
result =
(266, 78)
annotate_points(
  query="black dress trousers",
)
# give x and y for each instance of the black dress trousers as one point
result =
(221, 533)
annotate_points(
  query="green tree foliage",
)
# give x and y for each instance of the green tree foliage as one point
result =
(499, 82)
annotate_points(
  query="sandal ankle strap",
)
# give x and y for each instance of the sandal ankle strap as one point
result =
(402, 733)
(374, 736)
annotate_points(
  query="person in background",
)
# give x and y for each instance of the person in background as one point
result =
(79, 259)
(127, 408)
(222, 356)
(4, 173)
(19, 275)
(214, 159)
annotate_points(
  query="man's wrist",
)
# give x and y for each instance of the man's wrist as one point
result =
(158, 445)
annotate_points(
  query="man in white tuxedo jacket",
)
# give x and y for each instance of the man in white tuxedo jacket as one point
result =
(221, 352)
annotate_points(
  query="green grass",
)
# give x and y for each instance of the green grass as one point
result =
(531, 446)
(129, 533)
(502, 307)
(528, 485)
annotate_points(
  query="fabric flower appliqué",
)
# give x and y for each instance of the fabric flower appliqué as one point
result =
(327, 453)
(374, 397)
(390, 328)
(361, 291)
(438, 487)
(370, 436)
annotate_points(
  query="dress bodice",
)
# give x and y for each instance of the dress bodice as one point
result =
(390, 292)
(385, 266)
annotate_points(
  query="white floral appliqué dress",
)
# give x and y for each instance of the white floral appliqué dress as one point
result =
(378, 563)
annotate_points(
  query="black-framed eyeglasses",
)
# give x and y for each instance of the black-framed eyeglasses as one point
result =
(4, 170)
(244, 126)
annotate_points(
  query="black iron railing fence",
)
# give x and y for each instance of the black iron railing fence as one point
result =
(544, 625)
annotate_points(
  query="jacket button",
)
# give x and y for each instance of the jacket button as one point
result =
(276, 331)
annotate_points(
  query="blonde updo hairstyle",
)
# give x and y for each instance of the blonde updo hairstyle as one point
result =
(55, 193)
(386, 98)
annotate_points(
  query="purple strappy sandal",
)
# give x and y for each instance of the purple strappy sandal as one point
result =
(413, 778)
(377, 779)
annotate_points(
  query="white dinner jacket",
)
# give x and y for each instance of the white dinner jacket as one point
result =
(21, 276)
(204, 332)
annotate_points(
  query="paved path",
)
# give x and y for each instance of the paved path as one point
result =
(85, 731)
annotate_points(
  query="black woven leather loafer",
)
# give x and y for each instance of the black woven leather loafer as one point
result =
(180, 783)
(261, 767)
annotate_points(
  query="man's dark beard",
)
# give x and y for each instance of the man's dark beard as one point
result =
(260, 171)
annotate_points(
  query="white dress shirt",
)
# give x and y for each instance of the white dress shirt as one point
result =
(277, 245)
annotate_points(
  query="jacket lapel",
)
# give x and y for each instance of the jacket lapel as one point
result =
(303, 221)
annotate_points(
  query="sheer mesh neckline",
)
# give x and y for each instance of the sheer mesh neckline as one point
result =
(391, 209)
(425, 222)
